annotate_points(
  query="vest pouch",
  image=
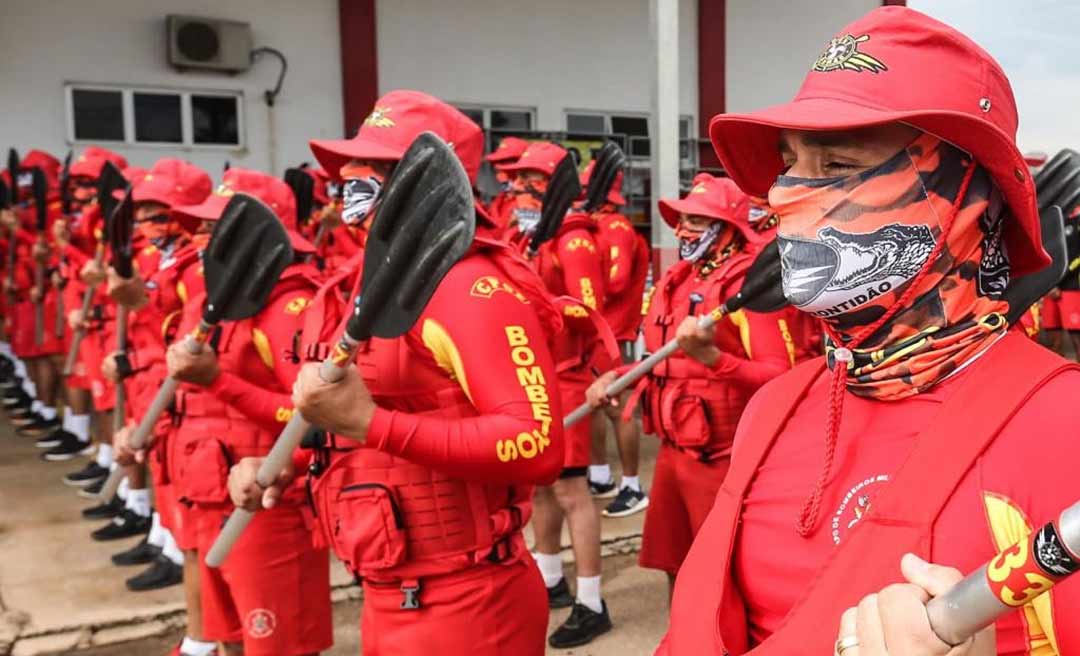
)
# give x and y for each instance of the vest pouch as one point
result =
(204, 472)
(684, 417)
(366, 527)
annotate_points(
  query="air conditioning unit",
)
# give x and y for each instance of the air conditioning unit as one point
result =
(208, 44)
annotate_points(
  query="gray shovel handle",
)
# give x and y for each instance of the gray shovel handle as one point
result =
(162, 399)
(972, 605)
(629, 378)
(275, 461)
(80, 332)
(112, 484)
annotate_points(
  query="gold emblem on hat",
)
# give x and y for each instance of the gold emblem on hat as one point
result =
(378, 118)
(699, 188)
(843, 54)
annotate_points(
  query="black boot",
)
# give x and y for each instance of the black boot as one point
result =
(125, 525)
(161, 574)
(107, 510)
(69, 447)
(559, 595)
(143, 553)
(582, 627)
(36, 425)
(88, 475)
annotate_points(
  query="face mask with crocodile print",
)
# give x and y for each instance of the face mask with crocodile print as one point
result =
(850, 246)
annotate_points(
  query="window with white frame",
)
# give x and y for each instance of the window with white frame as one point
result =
(500, 119)
(154, 116)
(634, 127)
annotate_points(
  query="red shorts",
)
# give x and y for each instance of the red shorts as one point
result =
(682, 494)
(1069, 307)
(273, 592)
(577, 438)
(1050, 314)
(489, 610)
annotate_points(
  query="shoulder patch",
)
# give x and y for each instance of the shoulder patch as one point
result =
(262, 346)
(297, 305)
(487, 286)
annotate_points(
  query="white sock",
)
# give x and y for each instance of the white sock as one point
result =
(170, 550)
(550, 568)
(122, 489)
(104, 455)
(156, 536)
(20, 371)
(79, 426)
(48, 411)
(5, 349)
(37, 406)
(600, 473)
(588, 593)
(138, 501)
(193, 647)
(632, 482)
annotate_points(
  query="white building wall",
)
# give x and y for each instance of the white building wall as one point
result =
(46, 43)
(551, 56)
(771, 44)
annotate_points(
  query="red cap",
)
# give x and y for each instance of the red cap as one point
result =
(48, 164)
(133, 174)
(92, 160)
(541, 156)
(171, 182)
(715, 198)
(274, 192)
(898, 65)
(510, 148)
(614, 196)
(398, 118)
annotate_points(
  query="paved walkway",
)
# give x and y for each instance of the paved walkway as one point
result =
(59, 593)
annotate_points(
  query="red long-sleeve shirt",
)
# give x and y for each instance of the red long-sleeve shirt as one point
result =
(627, 258)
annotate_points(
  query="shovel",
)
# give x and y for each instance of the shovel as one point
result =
(40, 189)
(762, 291)
(609, 161)
(977, 601)
(248, 250)
(110, 181)
(563, 189)
(13, 172)
(65, 208)
(424, 224)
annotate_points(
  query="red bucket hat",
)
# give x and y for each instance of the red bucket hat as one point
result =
(614, 196)
(171, 182)
(715, 198)
(397, 119)
(92, 160)
(48, 164)
(510, 149)
(898, 65)
(541, 156)
(275, 193)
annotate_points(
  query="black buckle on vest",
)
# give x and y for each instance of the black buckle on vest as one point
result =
(500, 551)
(123, 366)
(411, 592)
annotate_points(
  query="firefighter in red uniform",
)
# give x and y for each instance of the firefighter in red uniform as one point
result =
(463, 406)
(693, 407)
(917, 446)
(273, 595)
(626, 264)
(570, 265)
(508, 152)
(37, 406)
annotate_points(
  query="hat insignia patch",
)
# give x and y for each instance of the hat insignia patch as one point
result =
(378, 118)
(842, 54)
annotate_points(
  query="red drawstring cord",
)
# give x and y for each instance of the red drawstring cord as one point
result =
(811, 510)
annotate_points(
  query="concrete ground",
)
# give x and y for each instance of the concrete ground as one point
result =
(59, 594)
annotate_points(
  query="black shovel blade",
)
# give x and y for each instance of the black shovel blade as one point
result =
(40, 188)
(609, 161)
(1058, 178)
(5, 195)
(110, 180)
(423, 225)
(763, 288)
(303, 187)
(13, 171)
(1023, 292)
(248, 251)
(118, 231)
(563, 189)
(65, 185)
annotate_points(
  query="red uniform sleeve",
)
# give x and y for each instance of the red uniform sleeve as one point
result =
(494, 347)
(272, 333)
(579, 257)
(767, 351)
(620, 240)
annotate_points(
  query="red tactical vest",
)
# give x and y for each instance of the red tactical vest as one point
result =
(391, 520)
(708, 614)
(213, 434)
(683, 401)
